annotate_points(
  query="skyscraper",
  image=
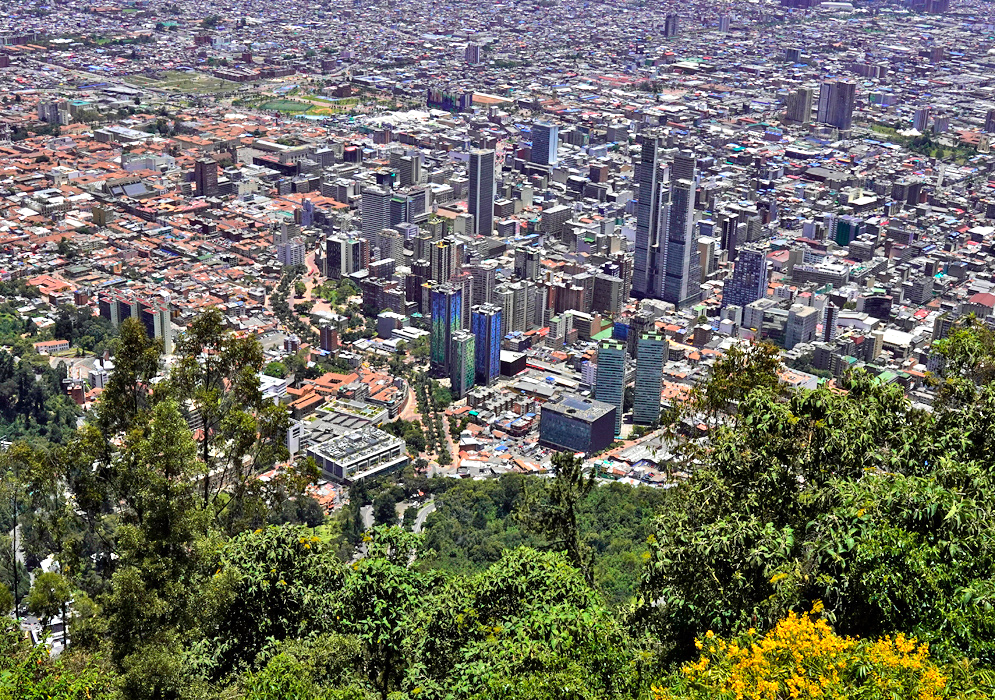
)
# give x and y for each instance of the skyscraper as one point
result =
(462, 371)
(682, 279)
(610, 384)
(481, 200)
(527, 262)
(447, 318)
(649, 378)
(646, 277)
(472, 53)
(671, 25)
(205, 176)
(749, 279)
(800, 106)
(375, 215)
(485, 321)
(445, 258)
(829, 325)
(837, 99)
(545, 143)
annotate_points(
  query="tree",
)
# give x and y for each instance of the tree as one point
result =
(241, 435)
(127, 397)
(6, 600)
(275, 369)
(271, 585)
(49, 596)
(378, 601)
(553, 509)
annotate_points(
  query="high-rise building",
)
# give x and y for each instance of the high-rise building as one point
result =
(647, 278)
(344, 255)
(447, 318)
(390, 243)
(671, 25)
(481, 200)
(545, 143)
(829, 325)
(800, 106)
(920, 119)
(837, 99)
(205, 177)
(527, 262)
(472, 53)
(462, 370)
(445, 258)
(724, 22)
(375, 214)
(576, 424)
(157, 319)
(990, 122)
(802, 325)
(328, 337)
(749, 279)
(289, 246)
(610, 385)
(682, 279)
(485, 321)
(649, 378)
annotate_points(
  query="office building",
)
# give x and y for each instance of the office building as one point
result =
(527, 263)
(447, 318)
(205, 177)
(837, 99)
(649, 378)
(481, 200)
(375, 216)
(802, 324)
(345, 255)
(749, 279)
(800, 106)
(545, 143)
(390, 243)
(289, 245)
(682, 278)
(485, 322)
(157, 319)
(610, 386)
(360, 454)
(463, 358)
(829, 325)
(576, 424)
(671, 25)
(647, 278)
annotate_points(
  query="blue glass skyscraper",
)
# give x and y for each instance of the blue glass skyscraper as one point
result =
(485, 322)
(447, 317)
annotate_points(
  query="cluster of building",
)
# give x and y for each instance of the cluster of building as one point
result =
(579, 214)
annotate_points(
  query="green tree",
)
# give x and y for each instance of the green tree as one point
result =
(553, 509)
(275, 369)
(378, 602)
(49, 596)
(241, 435)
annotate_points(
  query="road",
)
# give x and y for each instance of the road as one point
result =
(426, 510)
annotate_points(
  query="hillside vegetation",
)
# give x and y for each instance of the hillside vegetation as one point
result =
(836, 543)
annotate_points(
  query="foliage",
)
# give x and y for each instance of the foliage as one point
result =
(804, 658)
(32, 400)
(29, 673)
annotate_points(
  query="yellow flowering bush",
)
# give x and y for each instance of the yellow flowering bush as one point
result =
(803, 658)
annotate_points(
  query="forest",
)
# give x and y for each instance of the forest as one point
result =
(835, 543)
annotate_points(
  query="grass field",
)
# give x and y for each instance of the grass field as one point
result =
(175, 81)
(285, 106)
